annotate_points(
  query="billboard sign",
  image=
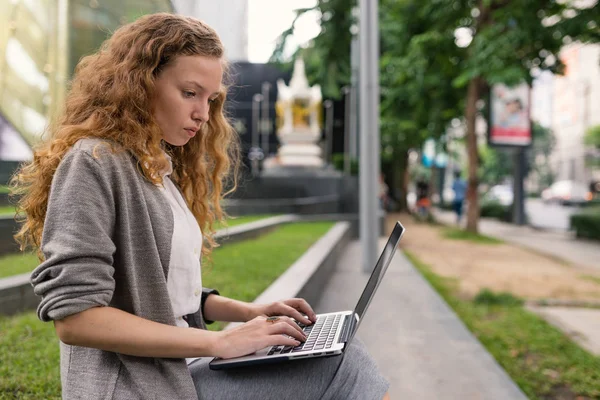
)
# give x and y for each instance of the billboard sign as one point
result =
(509, 122)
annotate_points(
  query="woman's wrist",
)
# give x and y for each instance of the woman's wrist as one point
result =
(251, 311)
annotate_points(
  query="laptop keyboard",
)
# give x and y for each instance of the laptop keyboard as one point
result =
(320, 336)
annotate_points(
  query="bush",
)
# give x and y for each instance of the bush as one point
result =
(587, 224)
(337, 159)
(496, 210)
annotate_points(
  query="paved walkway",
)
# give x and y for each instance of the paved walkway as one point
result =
(581, 325)
(562, 245)
(418, 342)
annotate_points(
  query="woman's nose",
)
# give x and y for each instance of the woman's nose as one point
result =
(201, 113)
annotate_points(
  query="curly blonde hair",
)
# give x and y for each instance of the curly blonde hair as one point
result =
(110, 99)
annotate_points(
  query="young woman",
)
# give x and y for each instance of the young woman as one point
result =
(120, 201)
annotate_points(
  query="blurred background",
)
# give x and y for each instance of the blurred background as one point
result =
(430, 127)
(487, 148)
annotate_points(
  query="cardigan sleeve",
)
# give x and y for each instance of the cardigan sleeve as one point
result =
(205, 293)
(77, 244)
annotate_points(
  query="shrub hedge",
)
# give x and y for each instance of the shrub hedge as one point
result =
(587, 223)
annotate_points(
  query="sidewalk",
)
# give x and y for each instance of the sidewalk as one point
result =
(420, 345)
(562, 245)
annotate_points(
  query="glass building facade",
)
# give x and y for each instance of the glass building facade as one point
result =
(41, 42)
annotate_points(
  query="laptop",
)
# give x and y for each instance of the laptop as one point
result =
(332, 332)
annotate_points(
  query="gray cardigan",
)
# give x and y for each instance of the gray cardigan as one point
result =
(107, 242)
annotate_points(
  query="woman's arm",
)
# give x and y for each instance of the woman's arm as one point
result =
(219, 308)
(111, 329)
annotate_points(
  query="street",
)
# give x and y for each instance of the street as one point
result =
(548, 216)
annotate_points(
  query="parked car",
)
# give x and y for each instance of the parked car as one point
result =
(566, 192)
(501, 194)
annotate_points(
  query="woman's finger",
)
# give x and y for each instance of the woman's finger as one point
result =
(302, 306)
(287, 328)
(280, 340)
(297, 315)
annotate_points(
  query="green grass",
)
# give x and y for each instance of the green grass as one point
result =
(29, 359)
(29, 353)
(7, 210)
(591, 278)
(244, 270)
(544, 362)
(4, 189)
(459, 234)
(15, 264)
(233, 221)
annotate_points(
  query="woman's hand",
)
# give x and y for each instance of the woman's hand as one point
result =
(257, 334)
(298, 309)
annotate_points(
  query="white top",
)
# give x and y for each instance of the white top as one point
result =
(184, 281)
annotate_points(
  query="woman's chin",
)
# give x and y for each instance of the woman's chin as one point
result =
(177, 141)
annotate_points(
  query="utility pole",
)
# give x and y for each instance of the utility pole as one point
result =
(369, 131)
(328, 105)
(265, 126)
(255, 152)
(347, 115)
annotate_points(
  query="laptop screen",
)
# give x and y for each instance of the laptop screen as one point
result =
(376, 276)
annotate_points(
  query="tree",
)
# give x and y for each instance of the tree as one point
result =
(418, 66)
(539, 155)
(417, 69)
(327, 57)
(511, 38)
(592, 140)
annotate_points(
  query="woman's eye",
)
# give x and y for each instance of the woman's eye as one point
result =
(210, 101)
(188, 94)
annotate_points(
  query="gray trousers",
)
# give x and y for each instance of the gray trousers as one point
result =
(353, 375)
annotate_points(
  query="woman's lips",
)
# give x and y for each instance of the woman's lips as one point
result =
(191, 132)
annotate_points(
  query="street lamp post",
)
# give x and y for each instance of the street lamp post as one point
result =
(255, 152)
(328, 104)
(265, 125)
(347, 115)
(369, 130)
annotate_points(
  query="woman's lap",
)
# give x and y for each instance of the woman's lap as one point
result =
(354, 375)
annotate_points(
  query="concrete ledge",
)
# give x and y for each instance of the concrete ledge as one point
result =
(252, 229)
(309, 275)
(16, 295)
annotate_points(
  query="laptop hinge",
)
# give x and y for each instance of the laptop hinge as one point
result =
(345, 329)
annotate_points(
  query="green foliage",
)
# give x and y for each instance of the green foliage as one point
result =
(327, 58)
(543, 361)
(496, 210)
(538, 155)
(338, 159)
(587, 223)
(486, 296)
(496, 165)
(592, 136)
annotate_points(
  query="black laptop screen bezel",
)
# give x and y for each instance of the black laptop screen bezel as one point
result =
(375, 279)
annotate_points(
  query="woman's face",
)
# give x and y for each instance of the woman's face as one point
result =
(185, 89)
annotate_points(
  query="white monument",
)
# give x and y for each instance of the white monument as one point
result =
(298, 109)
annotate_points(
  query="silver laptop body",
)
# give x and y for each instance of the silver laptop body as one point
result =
(332, 332)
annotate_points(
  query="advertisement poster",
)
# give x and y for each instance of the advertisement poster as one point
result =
(510, 122)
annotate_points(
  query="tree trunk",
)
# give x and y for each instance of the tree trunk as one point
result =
(400, 168)
(473, 155)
